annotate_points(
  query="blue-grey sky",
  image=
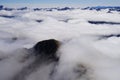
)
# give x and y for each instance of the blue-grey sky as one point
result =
(67, 2)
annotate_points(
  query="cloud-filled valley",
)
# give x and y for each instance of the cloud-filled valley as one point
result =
(88, 49)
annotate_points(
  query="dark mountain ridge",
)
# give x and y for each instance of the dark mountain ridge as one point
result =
(97, 8)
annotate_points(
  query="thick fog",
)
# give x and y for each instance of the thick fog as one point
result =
(87, 51)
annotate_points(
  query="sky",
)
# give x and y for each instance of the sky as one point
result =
(65, 2)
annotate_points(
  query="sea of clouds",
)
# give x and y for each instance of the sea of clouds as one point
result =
(87, 52)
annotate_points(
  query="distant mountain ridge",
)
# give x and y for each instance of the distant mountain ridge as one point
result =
(97, 8)
(36, 9)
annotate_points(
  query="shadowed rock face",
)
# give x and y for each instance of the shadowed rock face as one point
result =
(108, 36)
(45, 55)
(39, 21)
(104, 22)
(7, 16)
(47, 48)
